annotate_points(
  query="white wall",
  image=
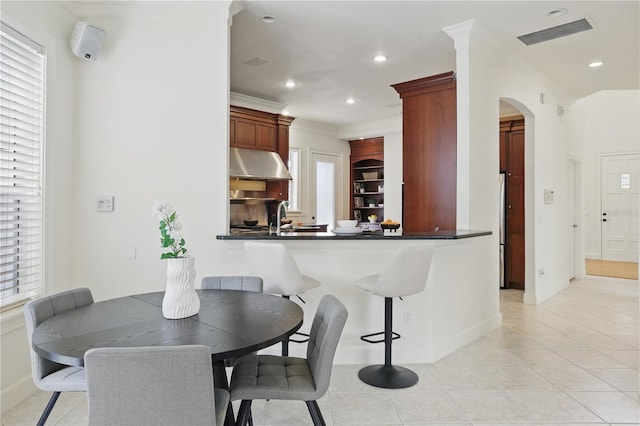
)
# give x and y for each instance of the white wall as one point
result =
(151, 125)
(148, 120)
(495, 72)
(50, 25)
(610, 126)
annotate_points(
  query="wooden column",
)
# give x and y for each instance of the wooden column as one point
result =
(429, 152)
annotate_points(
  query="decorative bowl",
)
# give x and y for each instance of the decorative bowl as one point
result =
(251, 222)
(347, 223)
(389, 225)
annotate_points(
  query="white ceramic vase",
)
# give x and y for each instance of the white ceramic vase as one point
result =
(180, 297)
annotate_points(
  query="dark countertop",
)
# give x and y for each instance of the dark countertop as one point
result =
(455, 234)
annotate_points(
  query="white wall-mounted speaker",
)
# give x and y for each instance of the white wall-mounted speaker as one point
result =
(86, 40)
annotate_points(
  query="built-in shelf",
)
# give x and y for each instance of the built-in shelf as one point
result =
(367, 178)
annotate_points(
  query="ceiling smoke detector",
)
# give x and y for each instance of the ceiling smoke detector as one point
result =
(268, 19)
(257, 61)
(555, 32)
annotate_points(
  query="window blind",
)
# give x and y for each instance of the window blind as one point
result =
(21, 155)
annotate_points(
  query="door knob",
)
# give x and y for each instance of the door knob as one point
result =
(604, 214)
(604, 220)
(575, 226)
(509, 205)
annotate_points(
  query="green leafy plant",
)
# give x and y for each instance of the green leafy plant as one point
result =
(170, 230)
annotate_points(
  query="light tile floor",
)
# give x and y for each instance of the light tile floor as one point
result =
(570, 360)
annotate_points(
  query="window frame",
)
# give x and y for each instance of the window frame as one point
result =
(294, 162)
(16, 172)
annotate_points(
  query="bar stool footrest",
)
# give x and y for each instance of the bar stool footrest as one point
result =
(365, 337)
(388, 376)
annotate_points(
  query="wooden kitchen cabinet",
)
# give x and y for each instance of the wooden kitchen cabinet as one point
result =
(429, 156)
(253, 129)
(367, 178)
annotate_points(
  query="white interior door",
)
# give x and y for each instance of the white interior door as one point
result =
(325, 181)
(619, 221)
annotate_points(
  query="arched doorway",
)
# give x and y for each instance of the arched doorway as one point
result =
(516, 163)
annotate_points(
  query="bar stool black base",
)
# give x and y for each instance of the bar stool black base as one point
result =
(388, 376)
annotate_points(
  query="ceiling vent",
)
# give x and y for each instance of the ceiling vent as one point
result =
(257, 61)
(556, 32)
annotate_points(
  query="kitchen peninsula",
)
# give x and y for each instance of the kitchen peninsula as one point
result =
(417, 178)
(458, 305)
(427, 235)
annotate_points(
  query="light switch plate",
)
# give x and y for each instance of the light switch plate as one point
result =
(104, 203)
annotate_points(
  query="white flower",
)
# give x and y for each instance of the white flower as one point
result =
(175, 234)
(162, 209)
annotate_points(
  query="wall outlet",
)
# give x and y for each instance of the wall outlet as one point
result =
(541, 271)
(408, 318)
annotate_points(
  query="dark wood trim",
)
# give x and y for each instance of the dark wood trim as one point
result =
(508, 125)
(424, 85)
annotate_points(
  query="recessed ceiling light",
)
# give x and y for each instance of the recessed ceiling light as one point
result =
(380, 58)
(557, 12)
(290, 83)
(351, 101)
(268, 19)
(596, 64)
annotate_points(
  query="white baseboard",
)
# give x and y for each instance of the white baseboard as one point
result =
(541, 296)
(16, 393)
(465, 337)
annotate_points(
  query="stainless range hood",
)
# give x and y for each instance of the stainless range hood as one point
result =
(256, 165)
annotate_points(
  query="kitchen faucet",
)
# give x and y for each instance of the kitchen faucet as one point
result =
(282, 207)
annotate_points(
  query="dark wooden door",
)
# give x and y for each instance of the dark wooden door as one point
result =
(515, 231)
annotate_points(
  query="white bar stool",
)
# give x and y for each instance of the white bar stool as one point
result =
(280, 275)
(406, 274)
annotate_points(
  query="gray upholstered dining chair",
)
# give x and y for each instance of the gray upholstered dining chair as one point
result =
(155, 385)
(233, 282)
(290, 378)
(47, 375)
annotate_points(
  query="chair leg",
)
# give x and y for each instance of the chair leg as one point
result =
(228, 419)
(244, 413)
(48, 408)
(316, 415)
(388, 376)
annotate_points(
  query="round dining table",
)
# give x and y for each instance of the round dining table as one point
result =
(231, 323)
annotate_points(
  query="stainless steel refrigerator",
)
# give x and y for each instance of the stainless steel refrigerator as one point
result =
(502, 230)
